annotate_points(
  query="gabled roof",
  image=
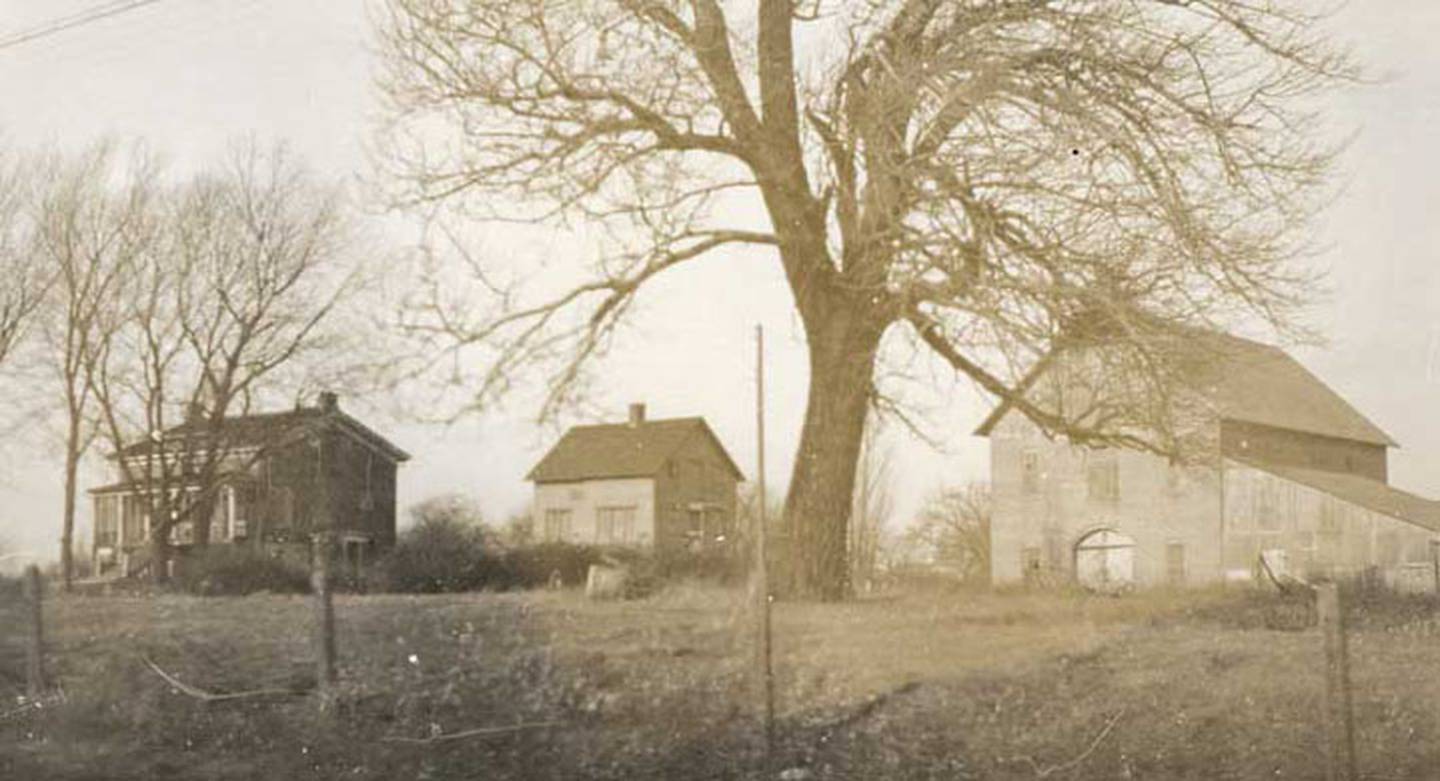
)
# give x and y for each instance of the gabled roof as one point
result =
(1257, 383)
(615, 450)
(1363, 491)
(268, 428)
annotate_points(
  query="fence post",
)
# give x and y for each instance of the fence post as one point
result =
(1339, 711)
(35, 649)
(324, 620)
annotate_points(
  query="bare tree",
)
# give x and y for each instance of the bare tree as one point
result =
(953, 528)
(990, 182)
(238, 278)
(87, 214)
(25, 281)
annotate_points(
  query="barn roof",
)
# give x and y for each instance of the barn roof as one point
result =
(1363, 491)
(615, 450)
(1258, 383)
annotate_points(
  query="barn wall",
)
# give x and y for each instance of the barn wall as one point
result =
(1321, 535)
(584, 498)
(1297, 448)
(1155, 503)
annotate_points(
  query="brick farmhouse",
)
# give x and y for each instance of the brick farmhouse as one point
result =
(284, 476)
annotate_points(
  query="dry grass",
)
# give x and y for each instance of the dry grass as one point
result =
(936, 684)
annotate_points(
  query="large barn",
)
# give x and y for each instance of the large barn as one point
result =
(1300, 481)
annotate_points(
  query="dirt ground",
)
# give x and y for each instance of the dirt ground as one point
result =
(939, 684)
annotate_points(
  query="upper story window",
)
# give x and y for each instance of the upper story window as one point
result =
(1102, 477)
(1030, 471)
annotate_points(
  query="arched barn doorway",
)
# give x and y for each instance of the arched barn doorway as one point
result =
(1105, 560)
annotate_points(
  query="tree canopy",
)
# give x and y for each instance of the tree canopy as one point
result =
(988, 181)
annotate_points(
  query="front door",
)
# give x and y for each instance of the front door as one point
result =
(1105, 561)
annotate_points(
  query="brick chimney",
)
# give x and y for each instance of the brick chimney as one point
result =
(637, 414)
(329, 402)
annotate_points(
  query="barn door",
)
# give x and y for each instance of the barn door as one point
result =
(1105, 561)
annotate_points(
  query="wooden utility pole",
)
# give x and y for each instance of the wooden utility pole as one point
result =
(1339, 711)
(35, 648)
(762, 553)
(1435, 564)
(324, 620)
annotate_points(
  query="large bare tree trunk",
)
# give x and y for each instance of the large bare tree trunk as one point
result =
(822, 484)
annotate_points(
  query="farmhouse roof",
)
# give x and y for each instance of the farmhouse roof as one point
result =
(615, 450)
(267, 428)
(1359, 490)
(1253, 382)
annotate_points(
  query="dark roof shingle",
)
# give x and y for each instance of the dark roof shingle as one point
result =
(265, 428)
(615, 450)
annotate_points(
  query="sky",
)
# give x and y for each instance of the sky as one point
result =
(190, 77)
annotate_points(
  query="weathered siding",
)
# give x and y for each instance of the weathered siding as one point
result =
(584, 500)
(1320, 534)
(361, 494)
(1297, 448)
(1156, 504)
(694, 496)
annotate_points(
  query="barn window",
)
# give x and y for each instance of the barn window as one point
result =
(1030, 472)
(1267, 506)
(615, 525)
(1030, 562)
(1102, 475)
(1175, 563)
(1172, 479)
(557, 525)
(1329, 517)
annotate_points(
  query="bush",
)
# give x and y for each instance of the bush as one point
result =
(439, 554)
(442, 554)
(238, 570)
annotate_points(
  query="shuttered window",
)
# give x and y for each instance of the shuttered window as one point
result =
(557, 525)
(615, 525)
(1102, 474)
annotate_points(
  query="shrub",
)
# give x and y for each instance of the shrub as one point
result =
(239, 570)
(440, 554)
(532, 566)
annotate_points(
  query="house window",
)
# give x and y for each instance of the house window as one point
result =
(107, 520)
(615, 525)
(1102, 475)
(1175, 563)
(242, 503)
(557, 525)
(136, 519)
(1030, 472)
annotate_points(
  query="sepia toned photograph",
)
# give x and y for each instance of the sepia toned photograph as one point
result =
(770, 390)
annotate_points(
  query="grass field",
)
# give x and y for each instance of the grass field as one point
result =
(922, 685)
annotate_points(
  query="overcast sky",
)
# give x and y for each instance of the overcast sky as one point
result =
(191, 76)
